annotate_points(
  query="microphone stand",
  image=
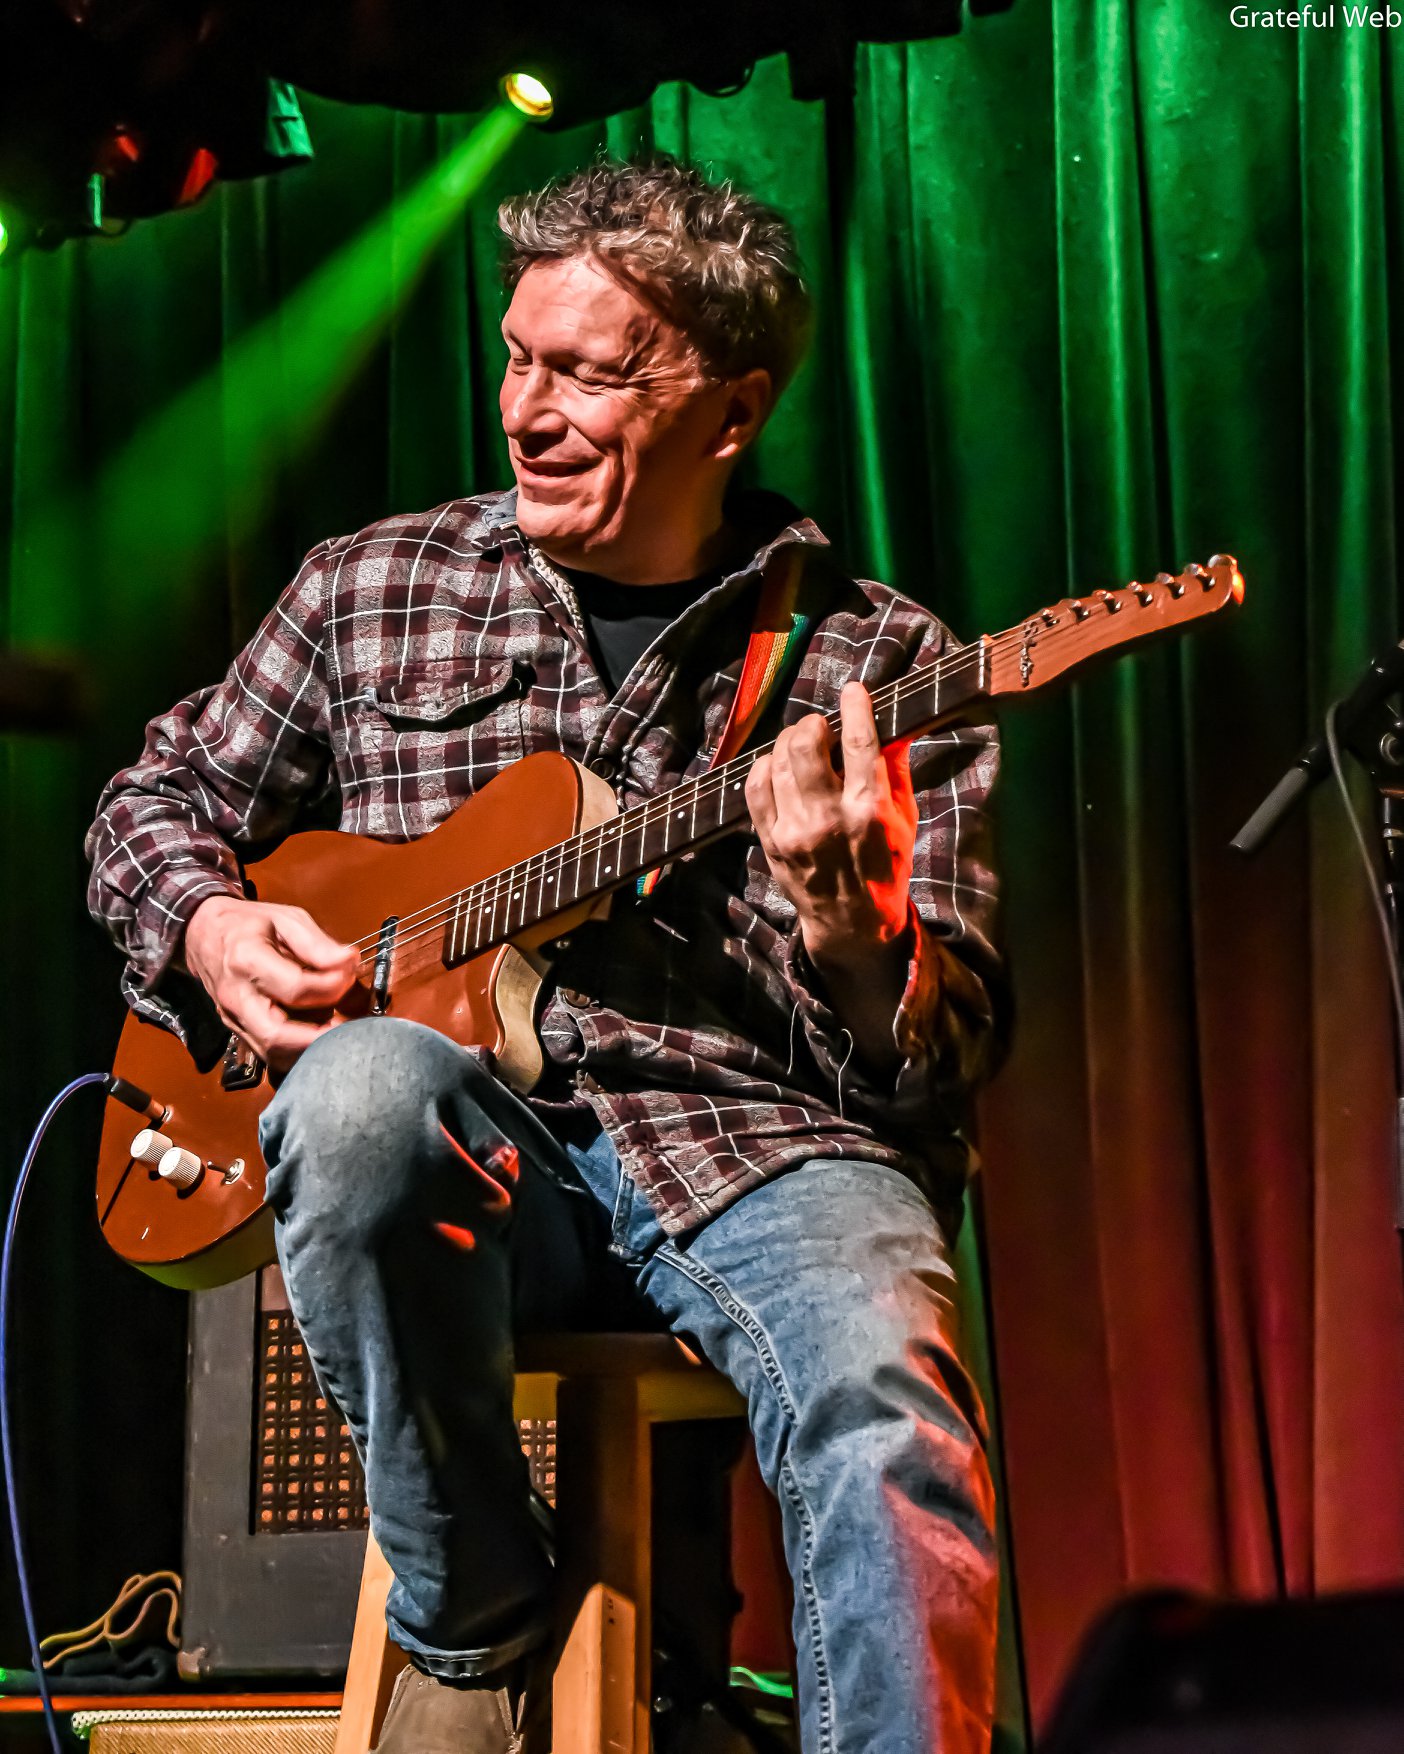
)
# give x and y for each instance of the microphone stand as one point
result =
(1373, 732)
(1389, 786)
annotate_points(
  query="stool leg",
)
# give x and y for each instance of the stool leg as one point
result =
(604, 1490)
(375, 1660)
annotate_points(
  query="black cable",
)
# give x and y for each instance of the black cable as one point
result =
(6, 1444)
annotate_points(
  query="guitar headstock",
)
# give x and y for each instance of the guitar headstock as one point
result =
(1070, 632)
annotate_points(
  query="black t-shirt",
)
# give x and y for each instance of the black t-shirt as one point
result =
(624, 620)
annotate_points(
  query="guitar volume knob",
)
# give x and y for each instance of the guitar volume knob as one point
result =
(149, 1146)
(179, 1167)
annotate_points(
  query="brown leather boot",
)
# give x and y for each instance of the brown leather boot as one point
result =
(509, 1714)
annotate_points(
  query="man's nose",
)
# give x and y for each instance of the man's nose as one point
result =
(528, 404)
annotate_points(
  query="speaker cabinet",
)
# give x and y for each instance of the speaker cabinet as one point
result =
(275, 1503)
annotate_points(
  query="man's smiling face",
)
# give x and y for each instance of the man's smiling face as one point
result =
(610, 422)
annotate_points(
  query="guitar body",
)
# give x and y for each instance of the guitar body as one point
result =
(219, 1228)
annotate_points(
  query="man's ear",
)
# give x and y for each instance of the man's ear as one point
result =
(749, 400)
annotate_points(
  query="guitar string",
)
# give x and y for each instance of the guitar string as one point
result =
(704, 786)
(485, 894)
(576, 849)
(488, 892)
(490, 889)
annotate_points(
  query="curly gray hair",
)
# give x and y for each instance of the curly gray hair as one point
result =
(717, 262)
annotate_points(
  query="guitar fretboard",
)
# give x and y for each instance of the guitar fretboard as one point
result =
(650, 834)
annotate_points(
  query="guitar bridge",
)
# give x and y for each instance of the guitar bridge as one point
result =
(242, 1069)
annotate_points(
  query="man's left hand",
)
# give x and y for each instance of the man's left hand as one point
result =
(840, 845)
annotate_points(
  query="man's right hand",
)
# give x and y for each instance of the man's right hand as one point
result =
(271, 970)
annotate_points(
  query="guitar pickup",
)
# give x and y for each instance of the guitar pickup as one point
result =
(384, 957)
(241, 1068)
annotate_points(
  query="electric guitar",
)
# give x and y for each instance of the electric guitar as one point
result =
(453, 928)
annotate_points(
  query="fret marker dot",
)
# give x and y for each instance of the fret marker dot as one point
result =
(608, 869)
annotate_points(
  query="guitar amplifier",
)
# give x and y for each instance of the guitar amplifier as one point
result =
(275, 1502)
(137, 1730)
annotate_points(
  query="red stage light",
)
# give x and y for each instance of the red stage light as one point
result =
(198, 177)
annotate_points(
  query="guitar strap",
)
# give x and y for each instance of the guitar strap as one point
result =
(777, 638)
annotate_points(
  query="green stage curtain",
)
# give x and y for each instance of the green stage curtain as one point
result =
(1104, 288)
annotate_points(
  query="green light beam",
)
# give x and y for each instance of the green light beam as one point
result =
(164, 500)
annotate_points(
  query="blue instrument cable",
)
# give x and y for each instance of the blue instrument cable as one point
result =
(6, 1442)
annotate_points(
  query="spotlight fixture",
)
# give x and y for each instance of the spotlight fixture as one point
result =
(525, 92)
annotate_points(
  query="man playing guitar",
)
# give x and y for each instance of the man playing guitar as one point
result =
(755, 1069)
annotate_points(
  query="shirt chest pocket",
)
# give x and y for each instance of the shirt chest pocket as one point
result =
(436, 732)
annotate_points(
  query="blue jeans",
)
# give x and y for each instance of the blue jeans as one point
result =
(425, 1216)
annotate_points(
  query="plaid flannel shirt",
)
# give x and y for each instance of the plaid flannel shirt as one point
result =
(385, 687)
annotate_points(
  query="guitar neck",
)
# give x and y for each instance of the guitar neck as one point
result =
(600, 859)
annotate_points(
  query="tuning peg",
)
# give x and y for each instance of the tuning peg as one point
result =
(1113, 603)
(1221, 563)
(1143, 594)
(1079, 607)
(1196, 571)
(1050, 617)
(1171, 583)
(1236, 585)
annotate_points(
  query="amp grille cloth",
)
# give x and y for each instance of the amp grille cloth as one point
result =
(131, 1731)
(306, 1472)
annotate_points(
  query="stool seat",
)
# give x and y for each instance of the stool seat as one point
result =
(606, 1392)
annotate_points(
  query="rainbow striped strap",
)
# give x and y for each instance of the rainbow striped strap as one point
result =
(777, 637)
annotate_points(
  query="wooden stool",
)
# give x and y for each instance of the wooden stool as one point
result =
(605, 1392)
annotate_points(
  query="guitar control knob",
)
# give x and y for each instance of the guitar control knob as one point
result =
(149, 1146)
(179, 1167)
